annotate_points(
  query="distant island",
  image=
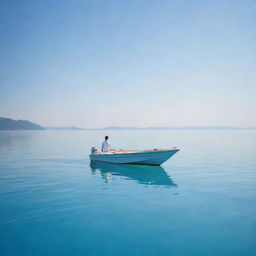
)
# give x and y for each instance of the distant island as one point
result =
(65, 128)
(177, 128)
(10, 124)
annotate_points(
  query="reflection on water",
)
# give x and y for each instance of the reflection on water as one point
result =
(143, 174)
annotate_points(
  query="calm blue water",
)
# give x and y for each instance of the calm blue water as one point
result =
(201, 202)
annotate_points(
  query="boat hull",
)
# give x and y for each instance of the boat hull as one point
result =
(142, 158)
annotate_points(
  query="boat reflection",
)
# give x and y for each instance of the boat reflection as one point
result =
(142, 174)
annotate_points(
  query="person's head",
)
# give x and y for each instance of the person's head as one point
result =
(106, 137)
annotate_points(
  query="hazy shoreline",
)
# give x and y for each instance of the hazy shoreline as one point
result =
(8, 124)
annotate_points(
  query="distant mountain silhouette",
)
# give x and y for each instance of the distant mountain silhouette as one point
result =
(177, 128)
(10, 124)
(121, 128)
(64, 128)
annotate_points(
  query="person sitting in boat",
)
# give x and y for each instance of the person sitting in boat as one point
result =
(106, 146)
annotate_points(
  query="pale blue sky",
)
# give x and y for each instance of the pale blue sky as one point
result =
(128, 63)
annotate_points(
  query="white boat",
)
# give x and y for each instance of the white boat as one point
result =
(145, 157)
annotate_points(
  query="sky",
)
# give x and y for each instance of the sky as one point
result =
(142, 63)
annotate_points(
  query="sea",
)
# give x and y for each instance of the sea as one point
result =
(202, 201)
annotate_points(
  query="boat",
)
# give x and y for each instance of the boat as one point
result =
(141, 157)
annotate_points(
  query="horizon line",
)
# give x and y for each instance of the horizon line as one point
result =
(220, 127)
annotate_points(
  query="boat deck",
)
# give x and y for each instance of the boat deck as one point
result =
(121, 151)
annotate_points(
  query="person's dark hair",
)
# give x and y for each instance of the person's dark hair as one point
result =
(106, 137)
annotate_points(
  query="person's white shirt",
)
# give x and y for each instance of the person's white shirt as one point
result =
(106, 146)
